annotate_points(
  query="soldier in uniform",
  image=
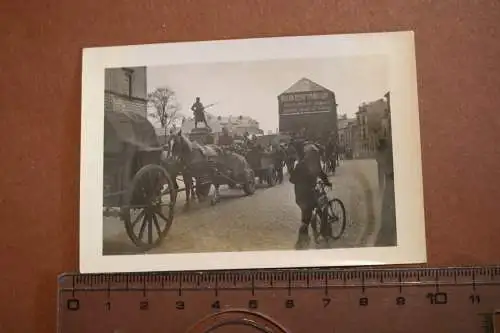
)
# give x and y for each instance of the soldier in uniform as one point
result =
(199, 113)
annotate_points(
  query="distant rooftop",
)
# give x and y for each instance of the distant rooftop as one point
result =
(305, 85)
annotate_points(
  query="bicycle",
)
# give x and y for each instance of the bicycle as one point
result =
(330, 213)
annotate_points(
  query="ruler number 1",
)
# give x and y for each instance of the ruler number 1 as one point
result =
(73, 304)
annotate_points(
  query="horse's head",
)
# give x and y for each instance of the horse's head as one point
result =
(179, 146)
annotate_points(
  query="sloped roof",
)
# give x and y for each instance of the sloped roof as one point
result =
(305, 85)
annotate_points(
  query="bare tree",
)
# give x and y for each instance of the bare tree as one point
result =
(166, 106)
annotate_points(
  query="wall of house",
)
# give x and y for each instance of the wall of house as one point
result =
(117, 81)
(120, 95)
(113, 102)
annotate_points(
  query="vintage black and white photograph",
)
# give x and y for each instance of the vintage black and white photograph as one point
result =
(258, 153)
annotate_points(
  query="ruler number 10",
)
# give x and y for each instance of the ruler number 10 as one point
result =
(438, 298)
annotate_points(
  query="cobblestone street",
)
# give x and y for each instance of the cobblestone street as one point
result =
(267, 220)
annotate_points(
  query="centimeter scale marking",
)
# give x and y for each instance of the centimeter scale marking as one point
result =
(280, 279)
(471, 293)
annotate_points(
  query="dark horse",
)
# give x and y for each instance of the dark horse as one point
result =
(176, 167)
(209, 165)
(304, 177)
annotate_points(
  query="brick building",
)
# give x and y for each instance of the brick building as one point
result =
(126, 90)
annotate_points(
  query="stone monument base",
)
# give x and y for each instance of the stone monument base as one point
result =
(202, 135)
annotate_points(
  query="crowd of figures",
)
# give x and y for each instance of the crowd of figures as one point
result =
(238, 164)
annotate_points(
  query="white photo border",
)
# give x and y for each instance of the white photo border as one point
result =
(399, 47)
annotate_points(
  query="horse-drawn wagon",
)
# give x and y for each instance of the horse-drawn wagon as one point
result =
(263, 163)
(136, 186)
(209, 164)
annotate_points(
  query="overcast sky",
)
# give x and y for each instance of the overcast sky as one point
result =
(251, 88)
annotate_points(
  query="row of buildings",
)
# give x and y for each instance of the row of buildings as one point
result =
(359, 136)
(236, 125)
(305, 104)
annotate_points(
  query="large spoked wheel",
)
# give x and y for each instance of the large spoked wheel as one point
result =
(249, 185)
(334, 216)
(149, 209)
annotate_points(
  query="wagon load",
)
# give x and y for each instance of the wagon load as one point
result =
(135, 180)
(233, 164)
(212, 165)
(126, 135)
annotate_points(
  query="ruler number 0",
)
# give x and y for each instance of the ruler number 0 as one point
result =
(73, 304)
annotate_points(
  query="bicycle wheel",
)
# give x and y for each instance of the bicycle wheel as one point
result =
(336, 218)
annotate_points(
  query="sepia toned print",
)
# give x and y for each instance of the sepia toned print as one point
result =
(213, 164)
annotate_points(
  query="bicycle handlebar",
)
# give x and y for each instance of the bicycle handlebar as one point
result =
(322, 184)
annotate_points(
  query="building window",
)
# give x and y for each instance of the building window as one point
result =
(129, 82)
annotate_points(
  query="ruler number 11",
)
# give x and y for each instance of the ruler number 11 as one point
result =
(475, 299)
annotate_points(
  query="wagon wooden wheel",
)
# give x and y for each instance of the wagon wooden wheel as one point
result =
(149, 207)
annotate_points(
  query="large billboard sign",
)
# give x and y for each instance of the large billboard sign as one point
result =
(306, 102)
(313, 123)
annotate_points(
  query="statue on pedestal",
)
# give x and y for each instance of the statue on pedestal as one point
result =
(199, 113)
